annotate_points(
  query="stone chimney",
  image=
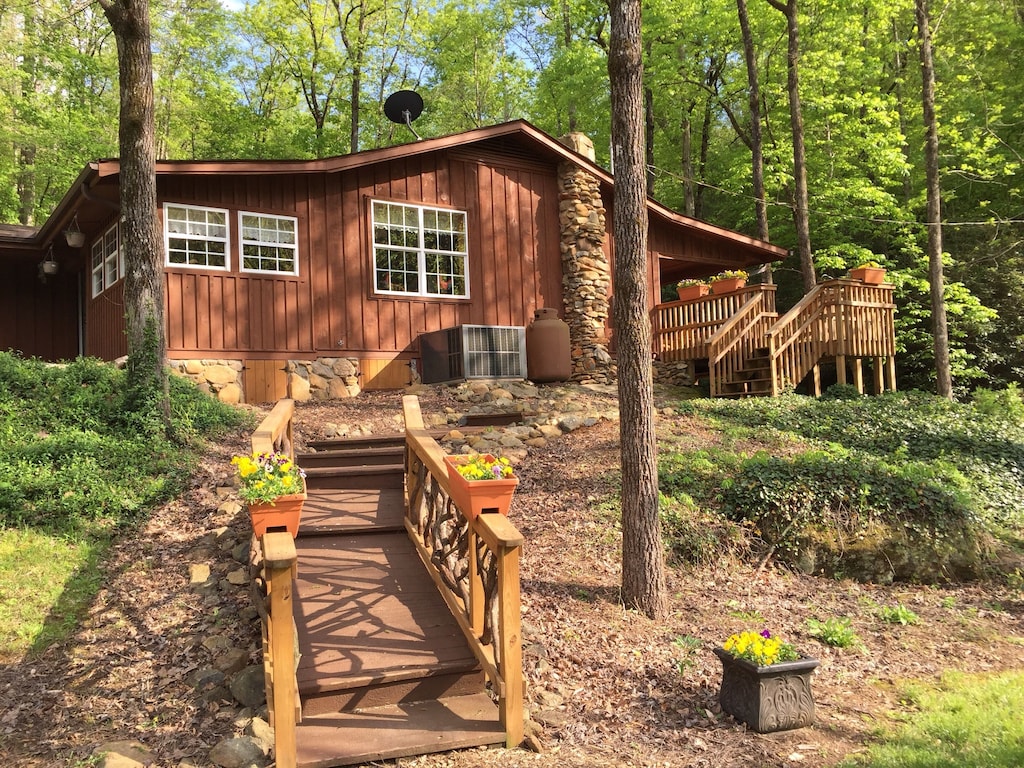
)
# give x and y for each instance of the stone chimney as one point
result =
(586, 276)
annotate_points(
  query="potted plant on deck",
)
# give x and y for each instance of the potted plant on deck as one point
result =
(870, 273)
(481, 484)
(765, 682)
(728, 281)
(274, 488)
(691, 289)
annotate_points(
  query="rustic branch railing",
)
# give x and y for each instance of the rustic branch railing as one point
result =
(475, 565)
(279, 561)
(737, 340)
(839, 318)
(682, 329)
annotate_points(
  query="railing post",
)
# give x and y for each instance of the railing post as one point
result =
(511, 702)
(279, 559)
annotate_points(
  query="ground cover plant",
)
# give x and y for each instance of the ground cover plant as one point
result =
(77, 466)
(903, 486)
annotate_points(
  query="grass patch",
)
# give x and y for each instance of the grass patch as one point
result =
(49, 580)
(969, 721)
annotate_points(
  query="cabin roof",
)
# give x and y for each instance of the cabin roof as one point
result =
(517, 139)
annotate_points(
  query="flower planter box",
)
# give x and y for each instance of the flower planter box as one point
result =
(868, 275)
(475, 497)
(689, 292)
(284, 513)
(768, 699)
(728, 285)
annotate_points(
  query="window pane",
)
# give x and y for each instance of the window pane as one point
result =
(419, 249)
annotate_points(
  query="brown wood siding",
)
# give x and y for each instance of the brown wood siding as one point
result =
(515, 264)
(38, 319)
(235, 313)
(105, 322)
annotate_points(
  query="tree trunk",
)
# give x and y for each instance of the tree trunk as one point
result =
(686, 150)
(801, 215)
(144, 287)
(754, 102)
(643, 571)
(940, 331)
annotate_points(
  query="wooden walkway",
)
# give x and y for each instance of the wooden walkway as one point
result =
(384, 669)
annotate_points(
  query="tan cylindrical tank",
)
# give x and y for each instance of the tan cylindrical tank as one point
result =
(548, 354)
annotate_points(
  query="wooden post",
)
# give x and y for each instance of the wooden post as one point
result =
(858, 374)
(476, 588)
(279, 559)
(510, 705)
(840, 369)
(879, 376)
(817, 379)
(891, 368)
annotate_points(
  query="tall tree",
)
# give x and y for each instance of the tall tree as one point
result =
(754, 104)
(801, 207)
(144, 287)
(940, 330)
(643, 570)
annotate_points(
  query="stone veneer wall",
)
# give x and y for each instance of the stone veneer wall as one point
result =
(679, 373)
(222, 378)
(325, 378)
(586, 276)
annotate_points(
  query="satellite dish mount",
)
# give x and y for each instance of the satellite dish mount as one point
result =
(402, 107)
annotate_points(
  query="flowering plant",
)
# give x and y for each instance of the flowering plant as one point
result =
(485, 467)
(730, 274)
(265, 476)
(869, 265)
(760, 648)
(690, 281)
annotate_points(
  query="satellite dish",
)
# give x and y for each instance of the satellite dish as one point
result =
(403, 107)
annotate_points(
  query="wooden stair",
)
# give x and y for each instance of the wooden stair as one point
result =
(753, 378)
(384, 669)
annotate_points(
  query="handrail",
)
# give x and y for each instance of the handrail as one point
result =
(275, 432)
(681, 329)
(280, 561)
(736, 341)
(475, 564)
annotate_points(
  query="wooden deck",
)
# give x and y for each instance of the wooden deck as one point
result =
(384, 669)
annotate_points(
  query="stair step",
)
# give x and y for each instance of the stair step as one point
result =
(330, 511)
(352, 457)
(378, 476)
(398, 730)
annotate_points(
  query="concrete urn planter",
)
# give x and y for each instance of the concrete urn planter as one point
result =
(768, 699)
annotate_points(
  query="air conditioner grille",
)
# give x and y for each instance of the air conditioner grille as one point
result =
(494, 352)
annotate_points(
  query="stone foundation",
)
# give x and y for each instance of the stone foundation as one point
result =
(222, 378)
(326, 378)
(677, 374)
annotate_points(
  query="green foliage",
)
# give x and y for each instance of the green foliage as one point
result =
(903, 483)
(75, 455)
(1007, 403)
(688, 647)
(836, 631)
(897, 614)
(969, 720)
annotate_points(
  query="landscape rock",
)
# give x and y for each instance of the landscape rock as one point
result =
(248, 688)
(261, 733)
(123, 754)
(238, 752)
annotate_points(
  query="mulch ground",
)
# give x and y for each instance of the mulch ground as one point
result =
(605, 685)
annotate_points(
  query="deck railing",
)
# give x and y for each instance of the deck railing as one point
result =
(682, 329)
(475, 564)
(279, 560)
(839, 318)
(738, 339)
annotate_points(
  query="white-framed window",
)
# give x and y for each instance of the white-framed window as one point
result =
(419, 250)
(97, 268)
(111, 257)
(269, 243)
(107, 263)
(195, 236)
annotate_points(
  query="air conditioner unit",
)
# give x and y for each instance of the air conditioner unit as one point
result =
(474, 352)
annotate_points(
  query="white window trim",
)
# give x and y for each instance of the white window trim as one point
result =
(420, 252)
(113, 258)
(243, 241)
(226, 239)
(96, 270)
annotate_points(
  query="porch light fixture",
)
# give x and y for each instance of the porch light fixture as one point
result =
(74, 235)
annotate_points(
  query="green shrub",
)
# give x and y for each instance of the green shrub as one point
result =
(897, 614)
(835, 631)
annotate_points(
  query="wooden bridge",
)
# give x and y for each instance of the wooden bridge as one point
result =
(391, 622)
(750, 350)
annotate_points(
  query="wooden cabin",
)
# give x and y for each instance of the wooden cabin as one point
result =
(326, 276)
